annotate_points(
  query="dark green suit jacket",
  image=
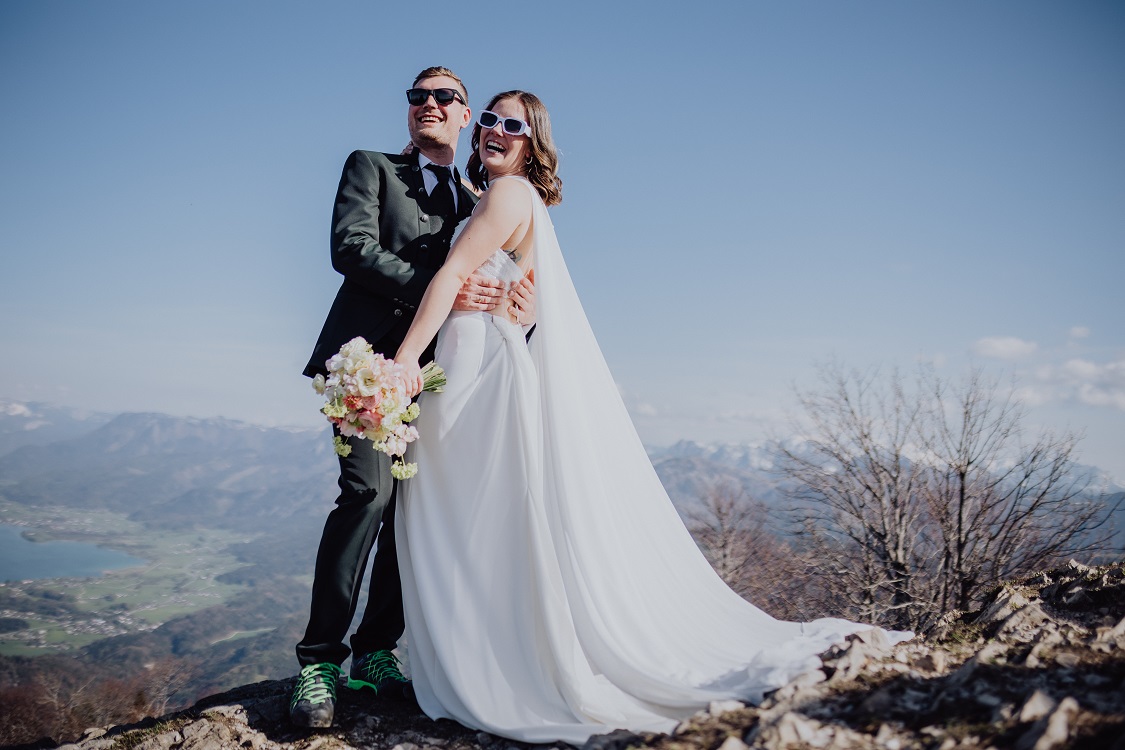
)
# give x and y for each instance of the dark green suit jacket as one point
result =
(388, 246)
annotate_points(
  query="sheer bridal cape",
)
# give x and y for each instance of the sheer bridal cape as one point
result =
(551, 590)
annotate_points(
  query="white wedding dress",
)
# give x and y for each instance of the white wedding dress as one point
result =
(551, 590)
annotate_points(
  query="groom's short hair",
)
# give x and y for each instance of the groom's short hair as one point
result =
(436, 71)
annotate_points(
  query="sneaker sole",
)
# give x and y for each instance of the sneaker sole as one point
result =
(386, 695)
(314, 724)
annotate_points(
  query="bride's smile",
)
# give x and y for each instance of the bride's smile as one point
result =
(501, 152)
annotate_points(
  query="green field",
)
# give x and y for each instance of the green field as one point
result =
(177, 578)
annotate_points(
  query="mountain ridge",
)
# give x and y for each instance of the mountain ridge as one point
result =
(1040, 666)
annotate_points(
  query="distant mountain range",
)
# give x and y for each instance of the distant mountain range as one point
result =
(166, 471)
(173, 471)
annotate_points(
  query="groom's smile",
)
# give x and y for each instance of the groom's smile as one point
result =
(432, 123)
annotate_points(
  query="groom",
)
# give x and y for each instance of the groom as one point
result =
(391, 228)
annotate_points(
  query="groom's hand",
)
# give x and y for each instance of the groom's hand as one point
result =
(479, 293)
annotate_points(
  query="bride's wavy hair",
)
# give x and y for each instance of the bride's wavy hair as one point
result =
(543, 164)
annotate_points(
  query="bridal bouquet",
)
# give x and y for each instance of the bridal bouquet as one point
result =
(366, 398)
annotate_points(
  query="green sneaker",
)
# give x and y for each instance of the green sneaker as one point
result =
(379, 671)
(314, 699)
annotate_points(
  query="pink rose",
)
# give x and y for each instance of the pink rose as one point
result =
(370, 420)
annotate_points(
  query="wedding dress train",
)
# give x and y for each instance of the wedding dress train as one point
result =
(551, 590)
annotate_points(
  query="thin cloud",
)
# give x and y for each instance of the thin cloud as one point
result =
(1033, 395)
(1092, 383)
(1079, 332)
(1004, 347)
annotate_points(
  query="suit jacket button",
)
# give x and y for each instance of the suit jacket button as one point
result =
(424, 218)
(424, 246)
(398, 313)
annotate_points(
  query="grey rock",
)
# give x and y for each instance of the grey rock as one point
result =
(617, 740)
(161, 741)
(1067, 659)
(206, 735)
(849, 664)
(1036, 707)
(1007, 602)
(1051, 731)
(1078, 567)
(934, 662)
(988, 653)
(720, 707)
(1022, 624)
(733, 743)
(794, 729)
(887, 738)
(236, 712)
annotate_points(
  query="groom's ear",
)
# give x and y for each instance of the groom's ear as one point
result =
(467, 119)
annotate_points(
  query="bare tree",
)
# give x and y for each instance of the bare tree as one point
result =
(736, 533)
(921, 501)
(726, 526)
(856, 492)
(165, 678)
(1001, 506)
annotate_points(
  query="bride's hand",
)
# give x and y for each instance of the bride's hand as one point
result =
(411, 375)
(522, 299)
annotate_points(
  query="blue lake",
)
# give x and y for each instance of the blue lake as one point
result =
(22, 560)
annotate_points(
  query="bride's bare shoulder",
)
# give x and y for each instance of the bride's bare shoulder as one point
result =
(506, 195)
(509, 185)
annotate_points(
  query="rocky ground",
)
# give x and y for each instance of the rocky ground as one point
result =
(1041, 666)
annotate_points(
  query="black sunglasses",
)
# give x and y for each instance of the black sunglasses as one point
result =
(418, 97)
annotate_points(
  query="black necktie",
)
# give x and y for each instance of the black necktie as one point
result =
(441, 198)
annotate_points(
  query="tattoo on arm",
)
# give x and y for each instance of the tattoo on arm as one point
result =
(515, 255)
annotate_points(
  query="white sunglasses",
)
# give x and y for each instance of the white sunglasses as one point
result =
(510, 125)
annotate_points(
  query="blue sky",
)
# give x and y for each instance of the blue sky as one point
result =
(749, 188)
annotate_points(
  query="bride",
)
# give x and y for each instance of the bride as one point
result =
(551, 591)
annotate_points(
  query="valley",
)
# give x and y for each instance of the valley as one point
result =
(178, 577)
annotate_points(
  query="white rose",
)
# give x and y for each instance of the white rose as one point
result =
(390, 404)
(355, 347)
(366, 382)
(318, 384)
